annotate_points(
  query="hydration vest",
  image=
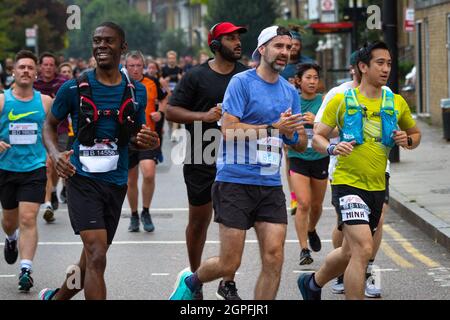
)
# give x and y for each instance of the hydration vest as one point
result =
(89, 114)
(355, 117)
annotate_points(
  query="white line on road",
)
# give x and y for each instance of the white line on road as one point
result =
(7, 275)
(180, 209)
(160, 274)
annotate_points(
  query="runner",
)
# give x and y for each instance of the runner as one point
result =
(22, 164)
(371, 290)
(247, 192)
(96, 168)
(309, 170)
(48, 83)
(371, 121)
(146, 160)
(196, 102)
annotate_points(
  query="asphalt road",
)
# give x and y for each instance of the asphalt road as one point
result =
(144, 265)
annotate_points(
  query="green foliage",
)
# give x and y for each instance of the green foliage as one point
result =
(141, 33)
(255, 15)
(174, 40)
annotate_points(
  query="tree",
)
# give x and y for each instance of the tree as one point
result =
(141, 33)
(7, 43)
(174, 40)
(255, 15)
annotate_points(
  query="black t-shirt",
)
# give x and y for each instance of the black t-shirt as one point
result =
(199, 90)
(172, 73)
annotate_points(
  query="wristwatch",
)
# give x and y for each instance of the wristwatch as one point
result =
(410, 142)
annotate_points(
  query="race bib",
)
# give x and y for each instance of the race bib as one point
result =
(352, 207)
(310, 134)
(23, 133)
(269, 151)
(100, 158)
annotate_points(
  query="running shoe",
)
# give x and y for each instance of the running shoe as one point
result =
(146, 220)
(306, 292)
(294, 205)
(181, 290)
(54, 200)
(47, 294)
(372, 291)
(49, 214)
(314, 241)
(305, 257)
(10, 251)
(227, 291)
(338, 286)
(134, 224)
(25, 280)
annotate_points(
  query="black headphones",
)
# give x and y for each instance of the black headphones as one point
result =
(215, 44)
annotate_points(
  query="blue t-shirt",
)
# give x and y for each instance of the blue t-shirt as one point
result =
(105, 97)
(256, 102)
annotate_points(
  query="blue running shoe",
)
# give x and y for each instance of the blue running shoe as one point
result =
(305, 290)
(47, 294)
(25, 280)
(181, 290)
(147, 222)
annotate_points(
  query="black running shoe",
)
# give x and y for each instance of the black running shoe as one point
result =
(314, 241)
(305, 257)
(54, 200)
(227, 291)
(11, 251)
(25, 280)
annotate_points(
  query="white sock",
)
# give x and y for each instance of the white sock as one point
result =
(27, 264)
(48, 204)
(14, 236)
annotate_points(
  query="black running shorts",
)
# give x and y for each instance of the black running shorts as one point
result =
(136, 156)
(239, 206)
(356, 206)
(317, 169)
(18, 187)
(386, 195)
(199, 180)
(94, 204)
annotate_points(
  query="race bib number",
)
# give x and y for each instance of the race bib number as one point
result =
(100, 158)
(23, 133)
(352, 207)
(310, 134)
(269, 151)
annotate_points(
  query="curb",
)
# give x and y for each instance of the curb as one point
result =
(431, 225)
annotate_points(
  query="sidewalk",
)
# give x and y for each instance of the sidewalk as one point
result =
(420, 184)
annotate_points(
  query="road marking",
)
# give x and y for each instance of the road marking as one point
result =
(304, 271)
(176, 209)
(7, 275)
(411, 249)
(390, 252)
(160, 274)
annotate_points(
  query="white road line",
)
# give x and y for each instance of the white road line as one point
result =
(179, 209)
(160, 274)
(8, 275)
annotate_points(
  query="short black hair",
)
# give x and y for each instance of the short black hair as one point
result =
(303, 67)
(282, 31)
(115, 27)
(365, 53)
(25, 54)
(47, 55)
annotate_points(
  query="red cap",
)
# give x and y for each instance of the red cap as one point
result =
(223, 28)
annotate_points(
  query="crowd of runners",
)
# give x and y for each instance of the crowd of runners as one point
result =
(92, 129)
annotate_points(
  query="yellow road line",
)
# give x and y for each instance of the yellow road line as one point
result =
(410, 248)
(399, 260)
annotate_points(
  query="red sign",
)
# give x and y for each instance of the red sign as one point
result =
(409, 20)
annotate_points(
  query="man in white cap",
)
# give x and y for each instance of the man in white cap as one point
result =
(261, 111)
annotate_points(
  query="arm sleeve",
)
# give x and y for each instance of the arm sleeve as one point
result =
(235, 98)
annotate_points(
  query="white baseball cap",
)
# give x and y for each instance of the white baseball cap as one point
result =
(265, 36)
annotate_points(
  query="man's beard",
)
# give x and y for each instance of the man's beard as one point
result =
(228, 54)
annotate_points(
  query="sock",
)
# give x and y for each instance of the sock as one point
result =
(369, 268)
(145, 210)
(27, 264)
(193, 282)
(293, 197)
(134, 214)
(313, 284)
(48, 204)
(14, 236)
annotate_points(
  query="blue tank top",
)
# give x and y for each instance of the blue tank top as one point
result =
(21, 125)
